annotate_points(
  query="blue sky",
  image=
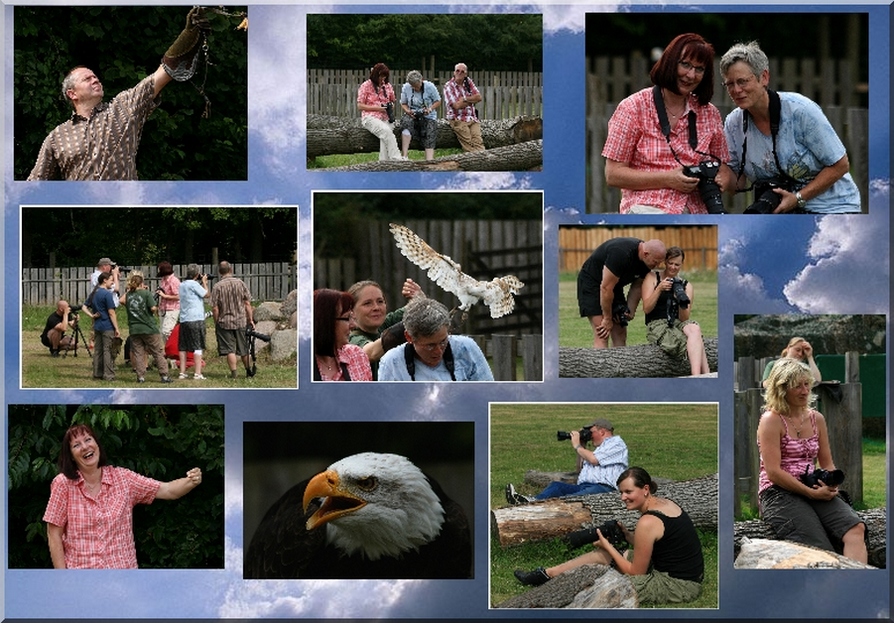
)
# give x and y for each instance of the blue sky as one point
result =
(768, 265)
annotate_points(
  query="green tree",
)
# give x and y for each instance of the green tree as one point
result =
(123, 45)
(159, 441)
(498, 42)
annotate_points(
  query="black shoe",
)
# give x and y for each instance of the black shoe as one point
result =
(166, 379)
(532, 578)
(250, 372)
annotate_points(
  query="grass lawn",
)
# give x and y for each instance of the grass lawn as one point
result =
(41, 370)
(575, 331)
(672, 441)
(344, 160)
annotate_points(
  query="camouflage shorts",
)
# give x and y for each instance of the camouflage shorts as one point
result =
(671, 340)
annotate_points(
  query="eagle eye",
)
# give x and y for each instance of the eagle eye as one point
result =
(369, 483)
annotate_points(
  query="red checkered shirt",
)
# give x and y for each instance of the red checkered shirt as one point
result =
(454, 92)
(634, 137)
(98, 531)
(368, 94)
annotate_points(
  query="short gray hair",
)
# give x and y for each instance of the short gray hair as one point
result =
(424, 316)
(749, 53)
(192, 271)
(414, 77)
(68, 83)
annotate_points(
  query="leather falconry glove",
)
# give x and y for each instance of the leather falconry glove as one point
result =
(182, 58)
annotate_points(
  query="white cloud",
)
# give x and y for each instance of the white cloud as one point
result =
(570, 18)
(488, 181)
(848, 268)
(745, 289)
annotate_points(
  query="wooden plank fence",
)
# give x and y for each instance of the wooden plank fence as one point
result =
(843, 414)
(506, 94)
(699, 243)
(44, 286)
(504, 351)
(831, 83)
(485, 249)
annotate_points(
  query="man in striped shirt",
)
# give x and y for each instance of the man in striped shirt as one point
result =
(232, 311)
(460, 97)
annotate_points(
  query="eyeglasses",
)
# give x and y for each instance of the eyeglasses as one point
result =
(687, 67)
(344, 319)
(442, 345)
(459, 71)
(741, 83)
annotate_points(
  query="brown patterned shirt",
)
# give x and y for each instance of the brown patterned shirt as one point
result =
(103, 147)
(228, 297)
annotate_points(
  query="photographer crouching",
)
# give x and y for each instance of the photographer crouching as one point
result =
(667, 301)
(232, 311)
(599, 468)
(53, 336)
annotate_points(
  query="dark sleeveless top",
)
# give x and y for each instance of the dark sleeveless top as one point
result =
(679, 552)
(659, 312)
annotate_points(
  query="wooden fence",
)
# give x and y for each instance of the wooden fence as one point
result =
(44, 286)
(699, 243)
(484, 249)
(504, 352)
(506, 94)
(831, 83)
(840, 404)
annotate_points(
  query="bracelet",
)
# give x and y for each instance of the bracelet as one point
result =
(576, 448)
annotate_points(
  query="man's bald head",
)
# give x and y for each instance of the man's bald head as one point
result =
(652, 253)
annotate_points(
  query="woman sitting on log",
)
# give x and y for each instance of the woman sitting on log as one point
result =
(666, 564)
(800, 505)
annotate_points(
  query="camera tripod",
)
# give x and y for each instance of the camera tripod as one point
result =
(78, 334)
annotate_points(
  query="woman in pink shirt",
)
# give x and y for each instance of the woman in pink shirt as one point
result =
(375, 99)
(90, 513)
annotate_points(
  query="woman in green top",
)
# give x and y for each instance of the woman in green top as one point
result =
(376, 330)
(800, 349)
(145, 335)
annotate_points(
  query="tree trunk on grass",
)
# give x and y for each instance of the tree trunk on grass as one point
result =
(641, 361)
(876, 520)
(589, 586)
(556, 517)
(771, 554)
(328, 135)
(521, 157)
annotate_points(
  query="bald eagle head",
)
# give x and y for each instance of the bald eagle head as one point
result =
(375, 505)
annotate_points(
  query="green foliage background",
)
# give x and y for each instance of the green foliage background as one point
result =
(159, 441)
(123, 45)
(497, 42)
(135, 236)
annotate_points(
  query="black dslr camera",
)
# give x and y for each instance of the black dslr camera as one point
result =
(121, 269)
(252, 334)
(708, 189)
(585, 435)
(389, 109)
(611, 530)
(767, 200)
(677, 299)
(619, 313)
(831, 478)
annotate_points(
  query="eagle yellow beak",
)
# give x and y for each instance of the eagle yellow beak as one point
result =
(336, 503)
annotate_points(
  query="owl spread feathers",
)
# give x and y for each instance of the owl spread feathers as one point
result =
(497, 293)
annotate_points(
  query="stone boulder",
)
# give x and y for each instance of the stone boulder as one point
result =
(268, 311)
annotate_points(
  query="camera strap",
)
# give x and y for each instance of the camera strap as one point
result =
(665, 125)
(775, 116)
(410, 360)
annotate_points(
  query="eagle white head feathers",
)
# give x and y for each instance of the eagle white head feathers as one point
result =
(375, 505)
(497, 293)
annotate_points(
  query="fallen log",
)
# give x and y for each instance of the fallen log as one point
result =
(876, 520)
(520, 157)
(641, 361)
(556, 517)
(589, 586)
(771, 554)
(327, 135)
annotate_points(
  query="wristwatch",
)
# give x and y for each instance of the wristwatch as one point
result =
(801, 201)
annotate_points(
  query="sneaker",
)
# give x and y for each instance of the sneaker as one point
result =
(250, 372)
(198, 377)
(166, 379)
(183, 375)
(532, 578)
(514, 498)
(141, 379)
(232, 374)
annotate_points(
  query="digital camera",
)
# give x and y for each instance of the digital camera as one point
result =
(585, 435)
(389, 109)
(619, 314)
(767, 200)
(831, 478)
(611, 530)
(708, 189)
